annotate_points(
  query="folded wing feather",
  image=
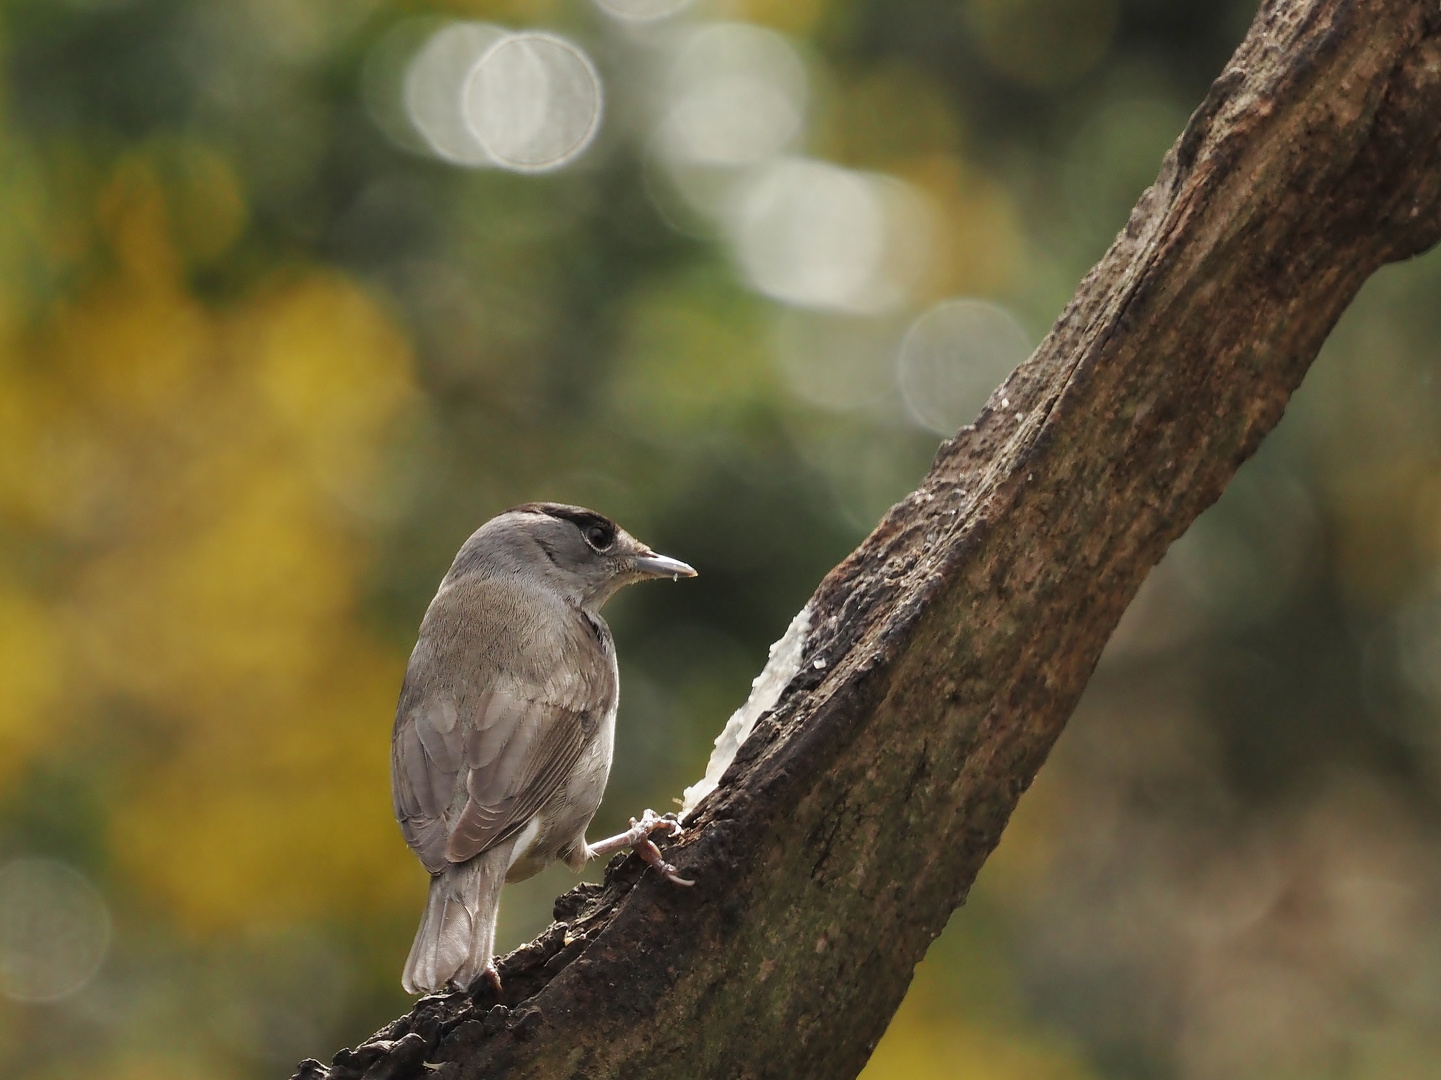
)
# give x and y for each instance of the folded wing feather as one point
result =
(544, 744)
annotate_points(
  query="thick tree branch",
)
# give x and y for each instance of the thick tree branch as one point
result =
(945, 655)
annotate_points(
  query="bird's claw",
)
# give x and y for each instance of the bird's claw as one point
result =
(647, 850)
(638, 839)
(651, 822)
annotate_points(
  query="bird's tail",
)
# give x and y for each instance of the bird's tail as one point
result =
(457, 932)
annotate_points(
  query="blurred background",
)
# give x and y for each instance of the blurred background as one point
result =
(294, 295)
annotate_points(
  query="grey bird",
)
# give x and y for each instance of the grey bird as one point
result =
(503, 735)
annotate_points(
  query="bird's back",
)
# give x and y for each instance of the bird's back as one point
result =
(506, 692)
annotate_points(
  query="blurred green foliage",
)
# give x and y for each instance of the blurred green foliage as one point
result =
(262, 370)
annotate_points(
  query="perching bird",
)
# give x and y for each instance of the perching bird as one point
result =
(503, 734)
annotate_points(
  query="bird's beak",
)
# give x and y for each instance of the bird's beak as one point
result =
(652, 565)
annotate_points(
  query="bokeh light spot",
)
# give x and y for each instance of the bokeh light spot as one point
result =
(641, 10)
(54, 930)
(739, 96)
(953, 356)
(533, 101)
(820, 236)
(434, 87)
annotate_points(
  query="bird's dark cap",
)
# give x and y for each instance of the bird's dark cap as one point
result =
(582, 517)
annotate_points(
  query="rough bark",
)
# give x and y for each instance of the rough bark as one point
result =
(947, 652)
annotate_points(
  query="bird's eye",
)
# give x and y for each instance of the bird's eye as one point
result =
(597, 537)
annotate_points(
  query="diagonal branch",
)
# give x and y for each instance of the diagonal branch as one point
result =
(944, 656)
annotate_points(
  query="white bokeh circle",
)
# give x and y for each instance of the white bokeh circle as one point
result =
(54, 930)
(953, 356)
(641, 10)
(737, 95)
(533, 101)
(820, 236)
(433, 90)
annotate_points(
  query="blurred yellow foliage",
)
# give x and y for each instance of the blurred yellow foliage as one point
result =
(888, 113)
(979, 248)
(206, 468)
(917, 1047)
(898, 120)
(30, 677)
(790, 16)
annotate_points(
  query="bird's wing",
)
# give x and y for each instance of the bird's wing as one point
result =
(421, 784)
(515, 766)
(470, 769)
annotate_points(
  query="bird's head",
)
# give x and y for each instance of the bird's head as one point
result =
(583, 555)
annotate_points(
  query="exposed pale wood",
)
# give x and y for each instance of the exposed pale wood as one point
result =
(958, 638)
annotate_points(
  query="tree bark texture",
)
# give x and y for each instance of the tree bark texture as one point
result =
(945, 655)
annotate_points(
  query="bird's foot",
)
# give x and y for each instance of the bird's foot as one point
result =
(647, 850)
(638, 839)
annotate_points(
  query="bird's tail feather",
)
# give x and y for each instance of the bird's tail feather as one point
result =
(457, 932)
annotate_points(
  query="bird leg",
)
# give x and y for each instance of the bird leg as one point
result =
(638, 839)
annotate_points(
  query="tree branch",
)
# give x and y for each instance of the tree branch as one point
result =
(945, 655)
